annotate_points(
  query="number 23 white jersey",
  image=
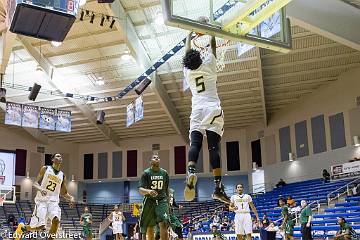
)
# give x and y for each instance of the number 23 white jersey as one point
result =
(52, 184)
(202, 82)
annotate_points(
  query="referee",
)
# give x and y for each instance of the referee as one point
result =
(305, 220)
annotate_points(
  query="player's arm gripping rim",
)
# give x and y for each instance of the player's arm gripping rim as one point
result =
(64, 193)
(38, 180)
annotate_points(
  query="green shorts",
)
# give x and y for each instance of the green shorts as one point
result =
(174, 221)
(289, 228)
(153, 212)
(87, 231)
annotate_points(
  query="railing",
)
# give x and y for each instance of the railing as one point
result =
(341, 191)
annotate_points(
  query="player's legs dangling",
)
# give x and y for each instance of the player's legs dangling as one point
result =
(214, 155)
(196, 139)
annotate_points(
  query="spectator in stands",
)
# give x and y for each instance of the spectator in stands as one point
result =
(326, 176)
(281, 183)
(346, 232)
(225, 224)
(217, 235)
(305, 221)
(291, 202)
(265, 221)
(216, 220)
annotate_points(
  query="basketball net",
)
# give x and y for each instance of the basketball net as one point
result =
(202, 44)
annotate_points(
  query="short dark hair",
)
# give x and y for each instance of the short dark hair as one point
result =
(239, 184)
(53, 156)
(192, 59)
(282, 199)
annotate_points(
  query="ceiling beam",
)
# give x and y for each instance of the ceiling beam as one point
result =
(59, 83)
(261, 83)
(7, 41)
(138, 50)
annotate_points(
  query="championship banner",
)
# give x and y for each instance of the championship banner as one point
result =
(47, 118)
(139, 109)
(30, 116)
(349, 169)
(13, 114)
(228, 236)
(63, 122)
(130, 115)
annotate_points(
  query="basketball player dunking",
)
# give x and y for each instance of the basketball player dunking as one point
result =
(206, 118)
(117, 218)
(50, 185)
(241, 203)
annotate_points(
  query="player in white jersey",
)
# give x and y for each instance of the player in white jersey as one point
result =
(50, 185)
(241, 203)
(206, 118)
(117, 218)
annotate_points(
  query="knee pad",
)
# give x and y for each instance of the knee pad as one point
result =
(195, 145)
(214, 148)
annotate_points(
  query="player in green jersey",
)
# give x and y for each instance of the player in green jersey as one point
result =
(154, 186)
(86, 221)
(288, 220)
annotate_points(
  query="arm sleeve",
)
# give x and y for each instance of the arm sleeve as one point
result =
(232, 199)
(250, 199)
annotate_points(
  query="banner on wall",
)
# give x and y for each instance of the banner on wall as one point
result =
(139, 109)
(30, 116)
(13, 114)
(47, 118)
(349, 169)
(130, 115)
(63, 122)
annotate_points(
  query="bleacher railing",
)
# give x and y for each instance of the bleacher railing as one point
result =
(342, 191)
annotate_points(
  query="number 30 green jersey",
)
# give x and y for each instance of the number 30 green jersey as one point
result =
(158, 181)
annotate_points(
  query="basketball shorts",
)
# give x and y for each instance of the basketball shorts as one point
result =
(117, 228)
(44, 211)
(153, 212)
(207, 118)
(87, 231)
(289, 227)
(243, 223)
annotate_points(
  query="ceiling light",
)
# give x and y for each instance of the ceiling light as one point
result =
(82, 2)
(126, 57)
(92, 18)
(100, 82)
(159, 19)
(39, 68)
(100, 78)
(56, 44)
(100, 181)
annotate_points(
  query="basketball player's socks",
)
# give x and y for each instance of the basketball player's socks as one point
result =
(217, 177)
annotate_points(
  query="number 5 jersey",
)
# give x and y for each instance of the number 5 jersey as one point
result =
(51, 183)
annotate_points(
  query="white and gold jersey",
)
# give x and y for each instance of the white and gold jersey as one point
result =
(52, 184)
(241, 202)
(202, 82)
(117, 218)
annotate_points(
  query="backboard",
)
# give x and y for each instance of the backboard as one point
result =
(7, 193)
(261, 23)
